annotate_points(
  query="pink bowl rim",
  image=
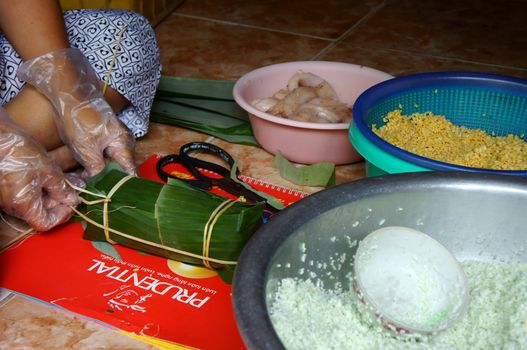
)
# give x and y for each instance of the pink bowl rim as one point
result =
(237, 93)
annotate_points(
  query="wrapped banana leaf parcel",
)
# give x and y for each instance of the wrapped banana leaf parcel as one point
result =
(174, 220)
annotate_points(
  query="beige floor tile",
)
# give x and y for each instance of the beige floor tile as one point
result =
(327, 19)
(400, 63)
(28, 325)
(204, 49)
(165, 139)
(490, 32)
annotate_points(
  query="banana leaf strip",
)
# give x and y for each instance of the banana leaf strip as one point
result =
(226, 108)
(272, 201)
(175, 220)
(164, 112)
(197, 87)
(235, 134)
(168, 109)
(108, 249)
(318, 174)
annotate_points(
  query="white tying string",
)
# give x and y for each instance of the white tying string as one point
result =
(112, 63)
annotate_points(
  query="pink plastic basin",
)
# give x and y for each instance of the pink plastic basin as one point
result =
(304, 142)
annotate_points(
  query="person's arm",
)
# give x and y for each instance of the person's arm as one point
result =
(85, 121)
(32, 186)
(33, 27)
(36, 27)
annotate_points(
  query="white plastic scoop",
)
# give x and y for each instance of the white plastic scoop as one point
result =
(410, 281)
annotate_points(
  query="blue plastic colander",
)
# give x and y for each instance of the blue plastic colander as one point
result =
(493, 103)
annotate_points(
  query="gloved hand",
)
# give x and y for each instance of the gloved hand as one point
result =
(86, 122)
(32, 187)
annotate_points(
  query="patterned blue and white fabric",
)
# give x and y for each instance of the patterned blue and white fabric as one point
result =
(136, 68)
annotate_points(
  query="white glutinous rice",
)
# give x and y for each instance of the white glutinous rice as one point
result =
(307, 317)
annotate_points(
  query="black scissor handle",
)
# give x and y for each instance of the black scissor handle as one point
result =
(174, 158)
(163, 162)
(202, 181)
(208, 147)
(194, 163)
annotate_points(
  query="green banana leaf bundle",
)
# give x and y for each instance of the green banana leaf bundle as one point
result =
(202, 105)
(170, 220)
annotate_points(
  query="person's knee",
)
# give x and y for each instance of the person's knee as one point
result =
(145, 36)
(99, 33)
(137, 32)
(122, 48)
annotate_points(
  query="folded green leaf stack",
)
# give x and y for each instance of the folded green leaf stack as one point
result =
(202, 105)
(165, 219)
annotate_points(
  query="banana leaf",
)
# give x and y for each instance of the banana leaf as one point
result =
(225, 107)
(202, 105)
(196, 87)
(168, 108)
(169, 220)
(318, 174)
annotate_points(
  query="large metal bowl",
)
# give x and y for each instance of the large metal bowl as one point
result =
(477, 216)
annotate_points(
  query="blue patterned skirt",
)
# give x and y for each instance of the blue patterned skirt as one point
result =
(136, 68)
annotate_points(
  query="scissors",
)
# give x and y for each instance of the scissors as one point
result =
(203, 181)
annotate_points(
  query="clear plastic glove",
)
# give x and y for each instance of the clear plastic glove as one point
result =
(86, 122)
(32, 187)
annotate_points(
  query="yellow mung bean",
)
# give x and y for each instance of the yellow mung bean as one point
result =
(434, 136)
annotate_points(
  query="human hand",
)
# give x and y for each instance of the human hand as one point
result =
(85, 121)
(32, 187)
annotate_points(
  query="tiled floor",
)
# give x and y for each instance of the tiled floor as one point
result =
(223, 39)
